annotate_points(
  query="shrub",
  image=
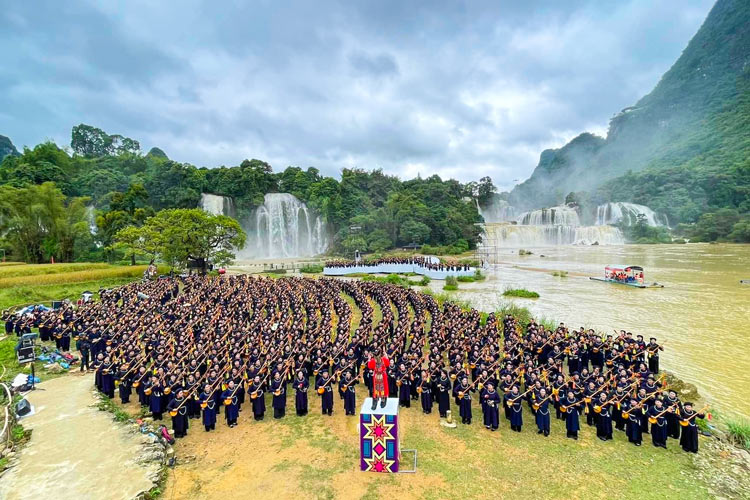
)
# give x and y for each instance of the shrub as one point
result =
(525, 252)
(425, 281)
(275, 271)
(739, 432)
(520, 292)
(478, 276)
(451, 283)
(465, 279)
(560, 274)
(311, 269)
(391, 279)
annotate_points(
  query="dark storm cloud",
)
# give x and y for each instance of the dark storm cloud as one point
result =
(462, 89)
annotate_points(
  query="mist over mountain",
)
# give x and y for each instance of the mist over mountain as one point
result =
(683, 149)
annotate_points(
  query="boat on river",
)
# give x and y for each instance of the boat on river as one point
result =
(626, 275)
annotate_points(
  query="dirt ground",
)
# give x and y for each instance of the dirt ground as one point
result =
(318, 457)
(76, 451)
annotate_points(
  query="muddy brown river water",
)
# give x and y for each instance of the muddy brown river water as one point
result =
(702, 314)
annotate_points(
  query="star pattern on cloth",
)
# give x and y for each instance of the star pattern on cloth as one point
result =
(379, 431)
(379, 463)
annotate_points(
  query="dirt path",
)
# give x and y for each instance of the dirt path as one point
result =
(76, 451)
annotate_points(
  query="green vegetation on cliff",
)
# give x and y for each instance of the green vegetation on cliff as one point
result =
(683, 149)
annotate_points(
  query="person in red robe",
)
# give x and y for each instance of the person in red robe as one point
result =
(379, 365)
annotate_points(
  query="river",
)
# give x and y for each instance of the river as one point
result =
(702, 315)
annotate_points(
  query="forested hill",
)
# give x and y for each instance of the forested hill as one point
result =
(683, 149)
(125, 186)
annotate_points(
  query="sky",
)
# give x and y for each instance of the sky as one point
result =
(459, 89)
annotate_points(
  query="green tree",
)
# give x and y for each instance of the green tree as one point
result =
(714, 225)
(352, 243)
(89, 141)
(378, 240)
(179, 235)
(40, 223)
(741, 230)
(92, 142)
(412, 231)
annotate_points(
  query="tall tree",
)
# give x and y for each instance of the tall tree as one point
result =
(180, 235)
(40, 223)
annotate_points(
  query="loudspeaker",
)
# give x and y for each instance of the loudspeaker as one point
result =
(25, 354)
(23, 408)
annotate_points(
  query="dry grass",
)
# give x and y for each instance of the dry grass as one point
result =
(34, 275)
(20, 269)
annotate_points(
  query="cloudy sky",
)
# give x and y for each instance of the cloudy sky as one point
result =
(462, 89)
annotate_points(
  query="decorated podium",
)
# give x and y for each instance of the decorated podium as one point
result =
(379, 436)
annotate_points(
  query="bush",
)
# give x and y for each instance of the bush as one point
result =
(478, 276)
(425, 281)
(451, 283)
(525, 252)
(523, 315)
(275, 271)
(465, 279)
(520, 292)
(311, 269)
(739, 432)
(560, 274)
(391, 279)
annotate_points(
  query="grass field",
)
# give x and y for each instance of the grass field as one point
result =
(22, 284)
(33, 283)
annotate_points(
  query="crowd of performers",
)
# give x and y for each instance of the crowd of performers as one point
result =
(189, 348)
(424, 262)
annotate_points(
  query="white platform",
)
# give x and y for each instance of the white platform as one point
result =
(391, 407)
(395, 269)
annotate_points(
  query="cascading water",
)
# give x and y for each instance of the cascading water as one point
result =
(217, 205)
(91, 216)
(498, 210)
(559, 225)
(554, 216)
(504, 235)
(627, 213)
(285, 227)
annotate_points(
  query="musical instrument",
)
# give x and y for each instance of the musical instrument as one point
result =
(686, 421)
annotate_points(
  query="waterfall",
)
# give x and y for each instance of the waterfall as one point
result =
(503, 235)
(217, 205)
(498, 210)
(91, 217)
(554, 216)
(627, 213)
(285, 227)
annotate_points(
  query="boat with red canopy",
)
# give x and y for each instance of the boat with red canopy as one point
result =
(626, 275)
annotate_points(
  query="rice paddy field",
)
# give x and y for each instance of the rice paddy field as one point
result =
(22, 284)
